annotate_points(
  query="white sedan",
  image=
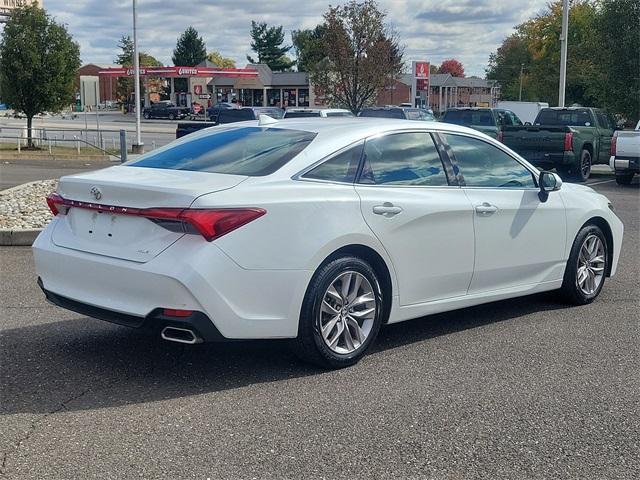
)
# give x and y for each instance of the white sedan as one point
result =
(320, 232)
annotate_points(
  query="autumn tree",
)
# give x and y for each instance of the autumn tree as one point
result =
(267, 43)
(38, 64)
(220, 61)
(362, 55)
(453, 67)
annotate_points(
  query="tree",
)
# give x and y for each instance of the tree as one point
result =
(452, 67)
(362, 55)
(38, 64)
(616, 52)
(267, 43)
(125, 58)
(308, 47)
(505, 65)
(222, 62)
(190, 49)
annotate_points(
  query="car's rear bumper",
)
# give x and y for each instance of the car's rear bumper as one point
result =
(191, 274)
(625, 164)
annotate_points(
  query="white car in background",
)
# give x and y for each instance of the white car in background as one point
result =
(320, 232)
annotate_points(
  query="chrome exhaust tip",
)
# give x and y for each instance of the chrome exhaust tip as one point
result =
(180, 335)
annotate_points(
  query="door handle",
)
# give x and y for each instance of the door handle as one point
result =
(387, 208)
(486, 209)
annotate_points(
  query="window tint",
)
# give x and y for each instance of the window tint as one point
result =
(514, 118)
(230, 115)
(603, 121)
(403, 159)
(341, 168)
(568, 118)
(469, 117)
(483, 165)
(251, 151)
(339, 114)
(383, 112)
(301, 114)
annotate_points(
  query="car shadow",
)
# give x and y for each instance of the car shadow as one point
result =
(85, 364)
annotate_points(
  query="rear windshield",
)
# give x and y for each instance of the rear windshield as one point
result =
(339, 114)
(381, 113)
(569, 118)
(251, 151)
(276, 113)
(230, 115)
(482, 118)
(301, 114)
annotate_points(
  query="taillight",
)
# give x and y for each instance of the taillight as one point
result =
(568, 141)
(173, 312)
(501, 136)
(210, 223)
(614, 144)
(53, 201)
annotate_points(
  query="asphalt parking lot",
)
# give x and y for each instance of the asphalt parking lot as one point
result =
(520, 389)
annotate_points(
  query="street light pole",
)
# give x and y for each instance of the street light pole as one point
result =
(521, 72)
(563, 52)
(138, 146)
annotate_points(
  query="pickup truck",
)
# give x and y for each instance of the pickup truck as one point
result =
(625, 154)
(227, 115)
(490, 121)
(165, 109)
(570, 139)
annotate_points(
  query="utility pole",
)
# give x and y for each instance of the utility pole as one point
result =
(563, 52)
(521, 72)
(138, 146)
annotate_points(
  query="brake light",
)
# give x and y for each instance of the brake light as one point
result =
(210, 223)
(568, 141)
(614, 144)
(501, 136)
(53, 200)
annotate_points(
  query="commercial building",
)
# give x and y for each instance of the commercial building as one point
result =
(7, 6)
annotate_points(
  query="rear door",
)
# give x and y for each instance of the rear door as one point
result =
(519, 240)
(605, 132)
(424, 222)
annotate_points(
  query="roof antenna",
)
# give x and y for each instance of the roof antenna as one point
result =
(266, 120)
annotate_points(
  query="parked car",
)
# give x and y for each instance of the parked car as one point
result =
(227, 115)
(570, 139)
(486, 120)
(320, 232)
(165, 109)
(525, 111)
(403, 113)
(317, 112)
(625, 154)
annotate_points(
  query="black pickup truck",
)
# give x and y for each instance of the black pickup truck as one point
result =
(569, 139)
(227, 115)
(165, 109)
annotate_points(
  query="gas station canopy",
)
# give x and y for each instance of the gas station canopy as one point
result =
(181, 72)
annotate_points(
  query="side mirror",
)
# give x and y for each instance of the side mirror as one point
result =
(527, 123)
(548, 182)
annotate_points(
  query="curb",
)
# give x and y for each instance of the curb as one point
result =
(18, 238)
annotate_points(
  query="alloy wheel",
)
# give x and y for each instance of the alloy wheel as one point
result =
(347, 313)
(585, 165)
(591, 265)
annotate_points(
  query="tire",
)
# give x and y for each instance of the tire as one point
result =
(321, 308)
(172, 116)
(582, 169)
(624, 178)
(146, 115)
(573, 290)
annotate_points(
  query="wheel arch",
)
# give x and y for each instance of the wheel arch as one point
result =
(608, 234)
(378, 264)
(588, 146)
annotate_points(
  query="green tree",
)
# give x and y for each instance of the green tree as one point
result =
(38, 64)
(220, 61)
(362, 55)
(308, 47)
(505, 65)
(617, 56)
(125, 58)
(267, 42)
(190, 49)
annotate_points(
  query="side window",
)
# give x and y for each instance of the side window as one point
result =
(403, 159)
(503, 118)
(514, 118)
(340, 168)
(483, 165)
(603, 121)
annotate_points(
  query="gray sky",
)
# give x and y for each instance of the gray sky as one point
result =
(433, 30)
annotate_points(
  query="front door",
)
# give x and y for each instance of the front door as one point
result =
(605, 131)
(425, 225)
(519, 240)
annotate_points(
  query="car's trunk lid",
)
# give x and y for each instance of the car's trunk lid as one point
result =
(111, 231)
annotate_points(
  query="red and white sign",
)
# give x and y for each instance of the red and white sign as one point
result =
(421, 70)
(197, 89)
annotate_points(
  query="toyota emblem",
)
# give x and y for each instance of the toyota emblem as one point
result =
(96, 192)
